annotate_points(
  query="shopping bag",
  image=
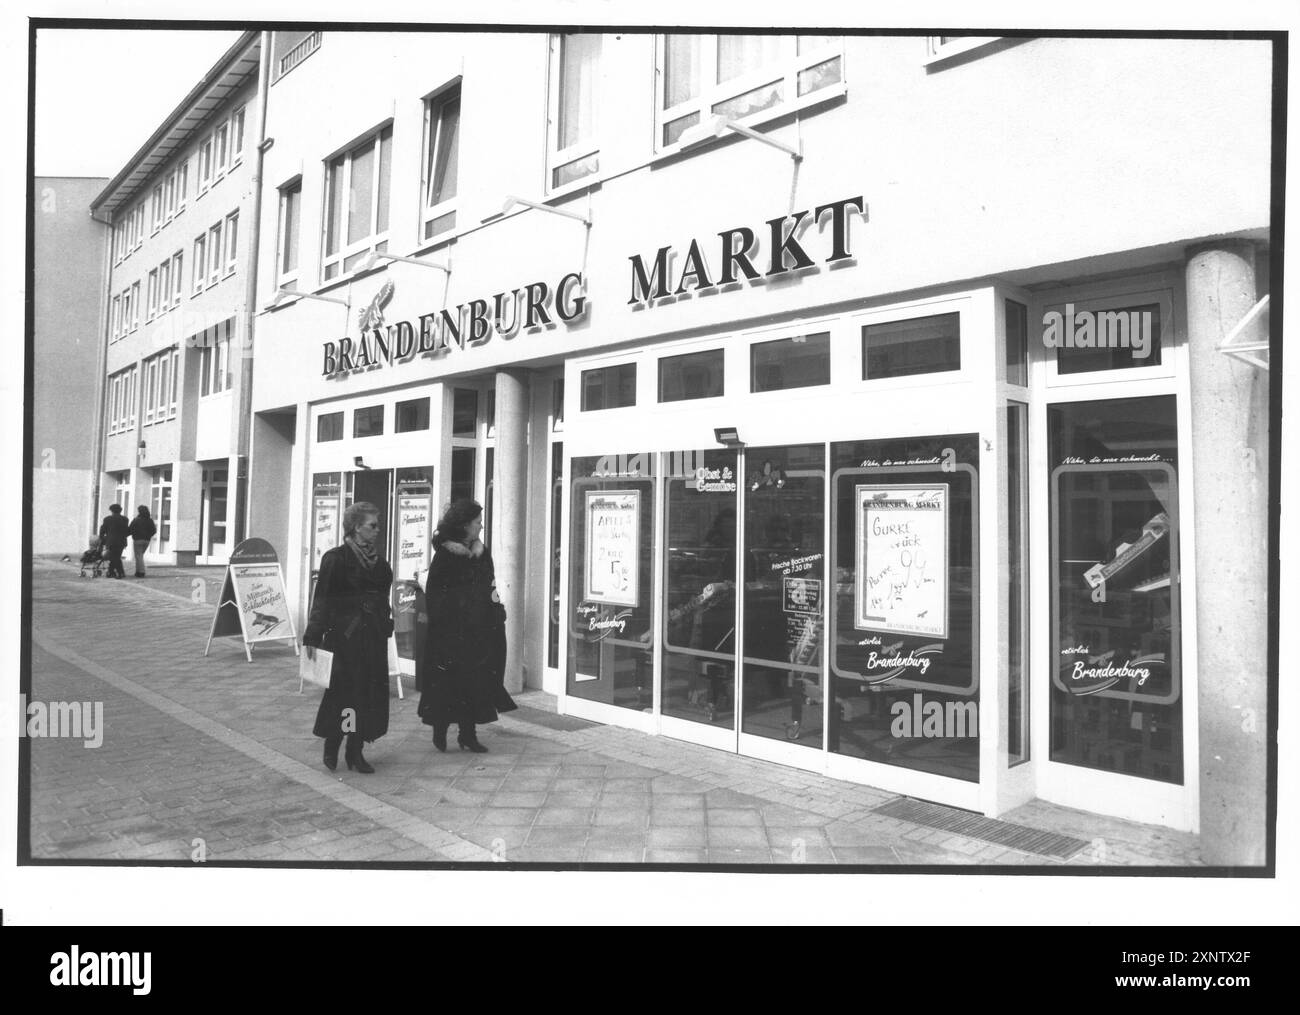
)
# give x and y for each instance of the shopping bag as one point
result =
(314, 665)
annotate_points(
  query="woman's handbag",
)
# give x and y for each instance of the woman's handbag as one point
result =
(314, 665)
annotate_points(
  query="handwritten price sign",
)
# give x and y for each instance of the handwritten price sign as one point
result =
(901, 535)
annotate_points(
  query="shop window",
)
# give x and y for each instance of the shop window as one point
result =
(693, 375)
(1017, 343)
(368, 422)
(160, 505)
(411, 415)
(609, 387)
(1017, 583)
(1124, 337)
(290, 215)
(356, 203)
(1116, 678)
(799, 362)
(441, 159)
(611, 641)
(329, 427)
(464, 413)
(921, 345)
(572, 151)
(905, 621)
(746, 78)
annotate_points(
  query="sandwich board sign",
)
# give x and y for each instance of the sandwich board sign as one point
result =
(252, 603)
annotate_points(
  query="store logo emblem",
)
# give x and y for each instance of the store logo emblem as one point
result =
(1107, 329)
(372, 315)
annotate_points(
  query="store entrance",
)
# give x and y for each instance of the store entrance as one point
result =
(742, 669)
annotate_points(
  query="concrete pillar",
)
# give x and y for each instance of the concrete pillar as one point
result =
(1230, 457)
(510, 535)
(187, 497)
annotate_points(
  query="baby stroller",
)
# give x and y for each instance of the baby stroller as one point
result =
(92, 561)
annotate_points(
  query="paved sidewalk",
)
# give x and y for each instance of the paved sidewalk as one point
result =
(211, 759)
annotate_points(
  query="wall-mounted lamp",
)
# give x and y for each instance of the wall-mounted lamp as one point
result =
(285, 294)
(717, 126)
(360, 464)
(512, 200)
(375, 256)
(728, 436)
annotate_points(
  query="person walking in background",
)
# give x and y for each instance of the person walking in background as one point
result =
(141, 530)
(352, 616)
(113, 533)
(461, 671)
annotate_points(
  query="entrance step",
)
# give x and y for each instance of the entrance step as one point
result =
(976, 826)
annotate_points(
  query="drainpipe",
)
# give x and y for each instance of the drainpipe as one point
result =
(243, 491)
(101, 365)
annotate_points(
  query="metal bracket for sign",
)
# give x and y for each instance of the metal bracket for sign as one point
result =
(1247, 351)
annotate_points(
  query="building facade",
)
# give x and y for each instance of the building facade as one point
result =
(179, 282)
(853, 403)
(69, 252)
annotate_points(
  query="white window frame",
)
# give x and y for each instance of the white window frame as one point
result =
(206, 153)
(215, 365)
(200, 262)
(786, 69)
(937, 51)
(115, 319)
(150, 387)
(433, 143)
(135, 305)
(557, 157)
(157, 212)
(288, 278)
(139, 226)
(214, 254)
(221, 145)
(132, 382)
(165, 286)
(151, 305)
(114, 402)
(376, 240)
(231, 241)
(178, 265)
(182, 185)
(237, 126)
(169, 196)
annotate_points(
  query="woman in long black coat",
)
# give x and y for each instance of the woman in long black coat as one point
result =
(352, 616)
(461, 670)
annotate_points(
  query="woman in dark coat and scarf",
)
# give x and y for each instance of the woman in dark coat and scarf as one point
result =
(352, 616)
(461, 671)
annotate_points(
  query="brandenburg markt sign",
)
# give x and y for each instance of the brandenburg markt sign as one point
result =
(667, 276)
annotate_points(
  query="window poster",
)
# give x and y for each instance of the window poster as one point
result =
(325, 534)
(613, 553)
(413, 517)
(901, 536)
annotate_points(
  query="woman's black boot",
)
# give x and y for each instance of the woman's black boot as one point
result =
(468, 740)
(332, 745)
(354, 757)
(440, 736)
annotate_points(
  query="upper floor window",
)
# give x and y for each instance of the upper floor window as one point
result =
(802, 361)
(221, 145)
(692, 375)
(214, 254)
(200, 262)
(206, 165)
(152, 311)
(411, 415)
(237, 136)
(572, 148)
(214, 362)
(121, 399)
(135, 305)
(609, 387)
(920, 345)
(287, 254)
(329, 426)
(441, 154)
(178, 262)
(232, 241)
(368, 422)
(161, 374)
(356, 203)
(137, 225)
(739, 77)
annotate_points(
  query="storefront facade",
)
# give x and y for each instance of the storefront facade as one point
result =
(778, 449)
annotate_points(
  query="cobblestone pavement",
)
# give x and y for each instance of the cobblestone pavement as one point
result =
(212, 759)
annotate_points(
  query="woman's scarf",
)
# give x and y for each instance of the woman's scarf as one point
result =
(366, 554)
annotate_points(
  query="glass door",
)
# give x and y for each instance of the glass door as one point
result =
(784, 601)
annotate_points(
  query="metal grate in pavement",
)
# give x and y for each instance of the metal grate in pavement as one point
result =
(540, 717)
(976, 826)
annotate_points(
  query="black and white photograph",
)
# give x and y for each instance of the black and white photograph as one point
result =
(596, 440)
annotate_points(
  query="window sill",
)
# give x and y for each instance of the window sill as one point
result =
(807, 103)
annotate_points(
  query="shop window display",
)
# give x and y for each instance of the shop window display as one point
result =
(905, 619)
(1116, 695)
(611, 642)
